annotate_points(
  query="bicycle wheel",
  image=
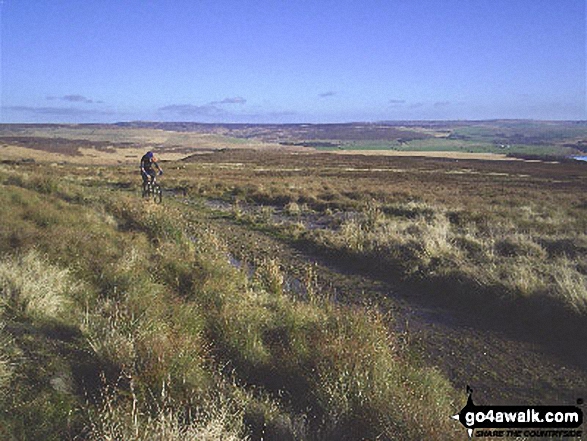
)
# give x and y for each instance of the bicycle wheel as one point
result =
(157, 194)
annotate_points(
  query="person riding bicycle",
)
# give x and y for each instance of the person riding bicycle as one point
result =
(148, 161)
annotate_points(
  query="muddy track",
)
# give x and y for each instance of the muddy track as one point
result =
(502, 368)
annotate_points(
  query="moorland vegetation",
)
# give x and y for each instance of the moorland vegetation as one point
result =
(122, 319)
(503, 237)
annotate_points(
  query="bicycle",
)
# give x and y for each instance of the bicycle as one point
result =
(151, 189)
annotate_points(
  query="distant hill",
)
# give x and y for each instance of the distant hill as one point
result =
(124, 141)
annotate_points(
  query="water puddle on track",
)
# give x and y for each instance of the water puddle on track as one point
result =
(291, 284)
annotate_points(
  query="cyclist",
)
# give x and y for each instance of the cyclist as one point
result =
(148, 161)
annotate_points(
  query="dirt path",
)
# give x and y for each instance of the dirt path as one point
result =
(501, 368)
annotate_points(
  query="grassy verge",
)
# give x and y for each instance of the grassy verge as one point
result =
(125, 320)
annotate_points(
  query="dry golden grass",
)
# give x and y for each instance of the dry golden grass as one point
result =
(121, 418)
(90, 156)
(119, 145)
(31, 286)
(126, 155)
(19, 153)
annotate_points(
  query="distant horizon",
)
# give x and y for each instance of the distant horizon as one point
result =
(307, 123)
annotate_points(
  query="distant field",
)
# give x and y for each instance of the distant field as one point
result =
(427, 144)
(125, 142)
(434, 145)
(110, 144)
(429, 154)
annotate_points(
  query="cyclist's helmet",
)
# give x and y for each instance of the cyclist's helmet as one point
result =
(149, 155)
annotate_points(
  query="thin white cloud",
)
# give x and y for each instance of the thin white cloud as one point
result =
(215, 113)
(73, 98)
(58, 111)
(232, 100)
(213, 108)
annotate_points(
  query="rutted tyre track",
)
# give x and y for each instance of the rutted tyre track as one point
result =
(500, 368)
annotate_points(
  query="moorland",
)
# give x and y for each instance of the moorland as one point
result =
(289, 286)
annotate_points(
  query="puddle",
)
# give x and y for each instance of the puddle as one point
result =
(295, 286)
(241, 265)
(291, 284)
(217, 204)
(278, 215)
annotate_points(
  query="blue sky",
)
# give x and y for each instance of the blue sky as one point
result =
(291, 61)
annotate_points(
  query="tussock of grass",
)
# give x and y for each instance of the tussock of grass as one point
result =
(31, 286)
(121, 418)
(571, 285)
(293, 209)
